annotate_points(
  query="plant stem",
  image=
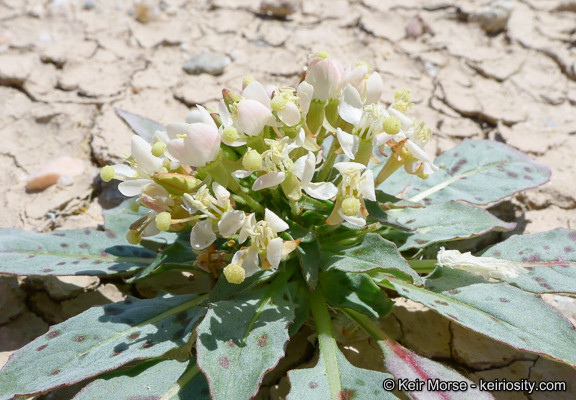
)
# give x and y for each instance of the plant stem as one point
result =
(327, 167)
(388, 169)
(370, 327)
(422, 265)
(328, 347)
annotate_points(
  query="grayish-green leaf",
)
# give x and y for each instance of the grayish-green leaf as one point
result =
(444, 222)
(73, 252)
(476, 171)
(356, 291)
(166, 379)
(99, 340)
(240, 340)
(498, 310)
(356, 383)
(549, 257)
(142, 126)
(371, 253)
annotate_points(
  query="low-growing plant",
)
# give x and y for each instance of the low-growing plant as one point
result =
(286, 197)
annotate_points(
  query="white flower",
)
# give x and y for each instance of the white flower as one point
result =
(219, 214)
(284, 103)
(196, 143)
(325, 75)
(264, 242)
(253, 112)
(369, 87)
(487, 267)
(355, 186)
(304, 168)
(276, 161)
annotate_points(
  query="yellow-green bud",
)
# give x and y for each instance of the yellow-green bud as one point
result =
(133, 237)
(278, 103)
(252, 160)
(247, 80)
(391, 125)
(350, 206)
(229, 135)
(322, 54)
(107, 173)
(234, 273)
(135, 206)
(163, 221)
(158, 149)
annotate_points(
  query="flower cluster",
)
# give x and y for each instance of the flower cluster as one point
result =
(246, 171)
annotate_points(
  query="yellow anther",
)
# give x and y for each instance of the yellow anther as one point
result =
(230, 243)
(402, 101)
(247, 80)
(229, 135)
(391, 125)
(252, 160)
(158, 149)
(234, 273)
(107, 173)
(163, 221)
(322, 54)
(133, 237)
(135, 207)
(350, 206)
(278, 103)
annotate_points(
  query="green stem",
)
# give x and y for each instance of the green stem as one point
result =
(366, 323)
(364, 152)
(328, 346)
(388, 169)
(327, 167)
(246, 199)
(423, 265)
(349, 234)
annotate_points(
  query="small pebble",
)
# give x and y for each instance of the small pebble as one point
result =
(279, 8)
(493, 17)
(210, 63)
(88, 5)
(62, 170)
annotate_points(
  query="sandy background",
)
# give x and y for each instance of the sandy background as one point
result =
(66, 64)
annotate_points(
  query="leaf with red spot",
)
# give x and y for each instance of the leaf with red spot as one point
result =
(356, 383)
(142, 126)
(476, 171)
(73, 252)
(444, 222)
(151, 380)
(549, 257)
(241, 339)
(497, 310)
(98, 340)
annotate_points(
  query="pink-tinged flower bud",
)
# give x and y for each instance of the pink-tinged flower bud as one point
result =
(253, 116)
(325, 74)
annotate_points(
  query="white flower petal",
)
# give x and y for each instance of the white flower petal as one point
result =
(253, 116)
(320, 190)
(123, 171)
(351, 106)
(230, 222)
(305, 92)
(367, 187)
(220, 192)
(356, 219)
(381, 139)
(290, 114)
(416, 151)
(256, 91)
(299, 167)
(374, 88)
(430, 168)
(276, 223)
(251, 262)
(133, 187)
(176, 129)
(224, 113)
(274, 252)
(200, 115)
(405, 121)
(142, 153)
(348, 168)
(162, 136)
(177, 149)
(241, 174)
(202, 235)
(270, 179)
(348, 142)
(249, 224)
(202, 143)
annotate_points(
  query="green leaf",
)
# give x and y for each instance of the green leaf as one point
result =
(356, 291)
(73, 252)
(142, 126)
(378, 212)
(166, 379)
(241, 339)
(549, 257)
(224, 290)
(391, 202)
(177, 255)
(498, 310)
(99, 340)
(299, 293)
(356, 383)
(371, 253)
(476, 171)
(444, 222)
(309, 252)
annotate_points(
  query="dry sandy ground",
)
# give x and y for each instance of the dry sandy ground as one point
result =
(66, 64)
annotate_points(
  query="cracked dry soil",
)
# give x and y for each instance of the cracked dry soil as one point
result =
(66, 64)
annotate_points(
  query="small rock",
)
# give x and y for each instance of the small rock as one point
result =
(210, 63)
(493, 17)
(417, 27)
(48, 174)
(146, 10)
(11, 299)
(88, 4)
(279, 8)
